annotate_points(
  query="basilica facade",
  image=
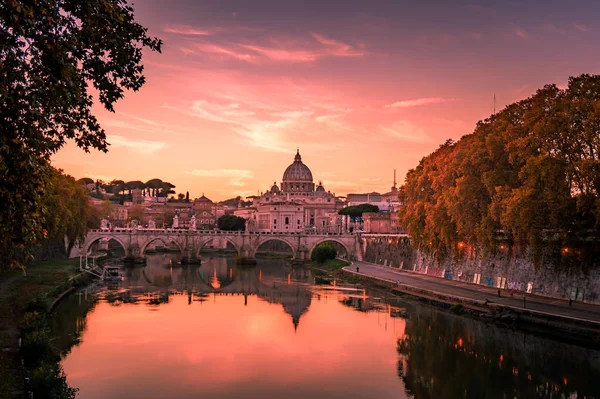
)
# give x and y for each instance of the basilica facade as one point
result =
(294, 206)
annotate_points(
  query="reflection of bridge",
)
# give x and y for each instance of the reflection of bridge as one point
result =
(189, 243)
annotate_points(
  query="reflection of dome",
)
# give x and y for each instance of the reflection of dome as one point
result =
(297, 306)
(297, 172)
(297, 178)
(274, 188)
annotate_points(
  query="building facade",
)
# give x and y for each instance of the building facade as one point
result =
(296, 205)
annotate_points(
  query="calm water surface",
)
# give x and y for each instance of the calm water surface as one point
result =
(216, 331)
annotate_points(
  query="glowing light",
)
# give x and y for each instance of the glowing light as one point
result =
(566, 250)
(461, 245)
(502, 246)
(460, 342)
(501, 358)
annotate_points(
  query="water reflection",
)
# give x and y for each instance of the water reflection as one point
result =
(446, 356)
(214, 330)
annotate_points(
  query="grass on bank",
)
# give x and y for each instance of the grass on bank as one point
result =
(333, 264)
(42, 282)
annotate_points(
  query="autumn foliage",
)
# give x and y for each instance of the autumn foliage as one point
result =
(528, 176)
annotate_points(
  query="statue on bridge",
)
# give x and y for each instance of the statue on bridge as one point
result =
(193, 223)
(104, 224)
(151, 224)
(176, 221)
(250, 224)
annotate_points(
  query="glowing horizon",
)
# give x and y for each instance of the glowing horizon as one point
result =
(361, 90)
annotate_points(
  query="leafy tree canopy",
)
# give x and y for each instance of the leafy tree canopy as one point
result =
(358, 210)
(528, 173)
(231, 223)
(51, 54)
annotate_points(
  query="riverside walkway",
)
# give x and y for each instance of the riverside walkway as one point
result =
(459, 291)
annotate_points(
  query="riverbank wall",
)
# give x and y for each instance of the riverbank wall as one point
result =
(506, 270)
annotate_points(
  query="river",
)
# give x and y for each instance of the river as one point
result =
(218, 331)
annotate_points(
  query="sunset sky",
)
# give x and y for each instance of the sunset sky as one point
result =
(361, 87)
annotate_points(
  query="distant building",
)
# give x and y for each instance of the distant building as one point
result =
(206, 213)
(297, 206)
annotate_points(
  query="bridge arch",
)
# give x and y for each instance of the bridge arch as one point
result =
(88, 245)
(280, 239)
(165, 240)
(329, 239)
(205, 241)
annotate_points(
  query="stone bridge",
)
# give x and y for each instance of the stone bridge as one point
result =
(135, 242)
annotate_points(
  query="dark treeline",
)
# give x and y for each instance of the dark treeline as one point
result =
(529, 175)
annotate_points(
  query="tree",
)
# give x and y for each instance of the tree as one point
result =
(166, 189)
(66, 209)
(165, 218)
(181, 197)
(85, 181)
(154, 185)
(137, 213)
(187, 196)
(50, 54)
(529, 172)
(106, 209)
(135, 185)
(231, 223)
(358, 210)
(323, 252)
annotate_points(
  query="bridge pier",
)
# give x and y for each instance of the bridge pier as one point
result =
(133, 255)
(189, 257)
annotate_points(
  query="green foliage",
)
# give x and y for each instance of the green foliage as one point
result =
(457, 308)
(136, 213)
(66, 208)
(48, 380)
(50, 54)
(334, 264)
(236, 202)
(85, 181)
(358, 210)
(231, 223)
(323, 252)
(529, 173)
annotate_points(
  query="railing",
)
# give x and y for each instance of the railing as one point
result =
(217, 232)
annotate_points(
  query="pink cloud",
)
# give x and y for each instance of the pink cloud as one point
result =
(190, 31)
(337, 48)
(216, 49)
(521, 33)
(294, 51)
(581, 27)
(418, 102)
(279, 54)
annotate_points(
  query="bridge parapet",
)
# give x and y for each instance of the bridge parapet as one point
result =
(136, 241)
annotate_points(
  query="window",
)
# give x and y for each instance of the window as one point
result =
(298, 222)
(274, 221)
(287, 220)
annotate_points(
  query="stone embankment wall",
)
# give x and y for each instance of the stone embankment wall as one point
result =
(504, 270)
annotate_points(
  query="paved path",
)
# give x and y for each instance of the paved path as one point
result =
(476, 292)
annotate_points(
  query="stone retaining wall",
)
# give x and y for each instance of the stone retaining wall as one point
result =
(504, 270)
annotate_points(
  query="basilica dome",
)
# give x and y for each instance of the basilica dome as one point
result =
(297, 171)
(297, 177)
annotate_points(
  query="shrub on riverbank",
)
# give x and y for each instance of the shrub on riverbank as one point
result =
(323, 252)
(25, 300)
